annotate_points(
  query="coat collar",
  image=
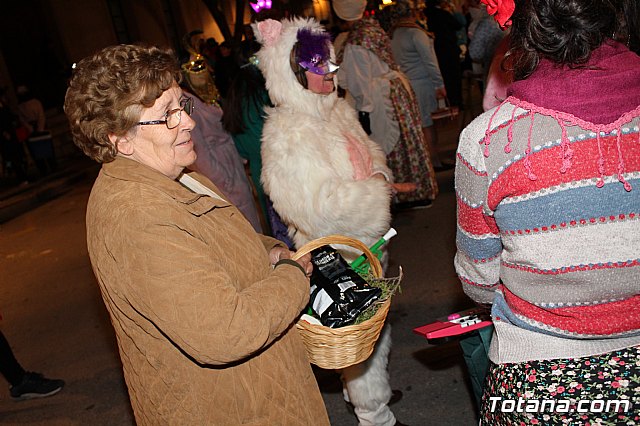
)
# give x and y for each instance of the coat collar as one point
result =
(129, 170)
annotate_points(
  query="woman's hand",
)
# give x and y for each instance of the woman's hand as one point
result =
(278, 253)
(305, 262)
(404, 187)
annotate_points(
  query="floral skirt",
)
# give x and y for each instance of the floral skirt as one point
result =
(410, 161)
(594, 390)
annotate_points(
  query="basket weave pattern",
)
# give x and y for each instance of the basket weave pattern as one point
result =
(336, 348)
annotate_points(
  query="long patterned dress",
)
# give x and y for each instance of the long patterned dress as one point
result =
(409, 159)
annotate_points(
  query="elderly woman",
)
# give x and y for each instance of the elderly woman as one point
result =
(202, 306)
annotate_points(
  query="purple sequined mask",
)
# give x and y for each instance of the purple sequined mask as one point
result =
(313, 52)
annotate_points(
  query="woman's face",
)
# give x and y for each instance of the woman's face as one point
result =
(166, 150)
(320, 84)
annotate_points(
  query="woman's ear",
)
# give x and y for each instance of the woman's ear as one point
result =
(122, 143)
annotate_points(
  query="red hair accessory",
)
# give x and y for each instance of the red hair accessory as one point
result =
(501, 11)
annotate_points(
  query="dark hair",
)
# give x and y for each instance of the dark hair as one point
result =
(248, 87)
(298, 71)
(563, 31)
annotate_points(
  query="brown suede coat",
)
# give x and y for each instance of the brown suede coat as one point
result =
(203, 322)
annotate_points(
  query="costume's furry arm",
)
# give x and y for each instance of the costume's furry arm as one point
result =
(343, 109)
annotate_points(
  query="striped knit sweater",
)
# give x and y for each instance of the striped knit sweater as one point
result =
(548, 230)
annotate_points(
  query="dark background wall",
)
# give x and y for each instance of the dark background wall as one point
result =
(40, 40)
(32, 49)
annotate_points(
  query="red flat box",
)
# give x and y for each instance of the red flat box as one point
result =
(455, 324)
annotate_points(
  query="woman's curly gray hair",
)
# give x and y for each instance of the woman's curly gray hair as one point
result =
(108, 91)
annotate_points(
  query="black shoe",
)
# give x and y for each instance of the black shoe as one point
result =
(35, 385)
(411, 205)
(396, 395)
(350, 408)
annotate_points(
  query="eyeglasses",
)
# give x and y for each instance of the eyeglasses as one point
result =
(172, 118)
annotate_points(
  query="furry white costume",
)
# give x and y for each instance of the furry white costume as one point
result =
(325, 176)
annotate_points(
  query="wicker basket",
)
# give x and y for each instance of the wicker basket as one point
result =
(336, 348)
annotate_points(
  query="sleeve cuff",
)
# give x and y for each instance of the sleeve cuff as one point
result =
(290, 262)
(380, 172)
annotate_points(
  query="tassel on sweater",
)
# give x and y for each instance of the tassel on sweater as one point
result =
(566, 152)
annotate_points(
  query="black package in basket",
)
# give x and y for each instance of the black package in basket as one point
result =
(338, 293)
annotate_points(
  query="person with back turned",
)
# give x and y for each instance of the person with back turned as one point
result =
(547, 185)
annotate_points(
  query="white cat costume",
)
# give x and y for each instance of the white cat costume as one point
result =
(325, 176)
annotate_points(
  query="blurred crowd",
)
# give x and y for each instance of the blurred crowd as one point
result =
(432, 46)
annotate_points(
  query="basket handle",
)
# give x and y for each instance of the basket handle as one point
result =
(376, 267)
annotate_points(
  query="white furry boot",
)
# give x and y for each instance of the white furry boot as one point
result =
(366, 385)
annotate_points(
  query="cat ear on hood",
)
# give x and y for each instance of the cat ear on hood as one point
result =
(267, 32)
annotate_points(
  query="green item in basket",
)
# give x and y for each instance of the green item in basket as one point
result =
(388, 286)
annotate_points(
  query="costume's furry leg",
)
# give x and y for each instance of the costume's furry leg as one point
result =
(367, 385)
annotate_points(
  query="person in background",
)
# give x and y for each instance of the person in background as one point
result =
(39, 142)
(249, 45)
(385, 19)
(313, 136)
(386, 104)
(243, 118)
(225, 68)
(629, 11)
(486, 38)
(461, 34)
(472, 15)
(210, 50)
(445, 27)
(31, 110)
(414, 53)
(203, 307)
(217, 158)
(14, 161)
(24, 384)
(547, 187)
